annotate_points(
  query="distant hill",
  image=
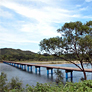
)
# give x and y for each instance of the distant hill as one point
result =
(16, 54)
(11, 54)
(9, 51)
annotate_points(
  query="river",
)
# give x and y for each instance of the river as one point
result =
(32, 78)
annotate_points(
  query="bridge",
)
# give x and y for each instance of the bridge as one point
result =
(28, 67)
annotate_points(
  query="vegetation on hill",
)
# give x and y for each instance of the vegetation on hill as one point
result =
(19, 55)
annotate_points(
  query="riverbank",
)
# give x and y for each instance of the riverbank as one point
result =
(49, 62)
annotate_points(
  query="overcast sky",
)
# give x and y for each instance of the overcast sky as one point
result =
(24, 23)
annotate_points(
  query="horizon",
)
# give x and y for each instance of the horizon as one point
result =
(24, 23)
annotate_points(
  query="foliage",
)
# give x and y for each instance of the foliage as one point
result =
(76, 39)
(83, 86)
(44, 88)
(59, 78)
(3, 80)
(14, 84)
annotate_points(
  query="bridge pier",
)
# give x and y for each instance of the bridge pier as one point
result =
(36, 69)
(27, 68)
(48, 72)
(21, 66)
(71, 75)
(18, 65)
(24, 67)
(31, 69)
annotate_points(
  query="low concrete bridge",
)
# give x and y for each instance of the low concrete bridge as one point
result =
(28, 67)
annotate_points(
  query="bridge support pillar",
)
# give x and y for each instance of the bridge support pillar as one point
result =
(28, 68)
(22, 67)
(14, 64)
(25, 67)
(11, 63)
(31, 69)
(36, 69)
(39, 70)
(71, 75)
(51, 72)
(48, 72)
(17, 65)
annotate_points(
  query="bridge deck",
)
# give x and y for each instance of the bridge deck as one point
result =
(55, 67)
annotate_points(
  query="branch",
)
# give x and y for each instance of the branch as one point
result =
(71, 62)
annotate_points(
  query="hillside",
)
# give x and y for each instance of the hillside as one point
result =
(15, 54)
(11, 54)
(10, 51)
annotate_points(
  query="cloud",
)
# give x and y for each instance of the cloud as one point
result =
(45, 14)
(33, 20)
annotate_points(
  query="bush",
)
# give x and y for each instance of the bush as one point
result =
(16, 86)
(83, 86)
(15, 83)
(3, 80)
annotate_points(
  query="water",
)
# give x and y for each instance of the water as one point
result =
(32, 78)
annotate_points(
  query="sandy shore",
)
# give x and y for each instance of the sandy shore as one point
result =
(50, 62)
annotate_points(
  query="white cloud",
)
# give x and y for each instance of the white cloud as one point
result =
(42, 22)
(8, 37)
(46, 14)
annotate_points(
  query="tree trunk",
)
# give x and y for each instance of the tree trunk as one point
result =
(85, 77)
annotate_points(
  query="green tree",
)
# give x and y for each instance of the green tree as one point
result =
(76, 39)
(15, 83)
(3, 80)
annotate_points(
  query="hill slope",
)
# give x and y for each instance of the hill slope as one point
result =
(9, 51)
(15, 54)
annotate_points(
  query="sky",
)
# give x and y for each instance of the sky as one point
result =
(24, 23)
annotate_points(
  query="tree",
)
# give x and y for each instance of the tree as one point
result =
(3, 80)
(76, 39)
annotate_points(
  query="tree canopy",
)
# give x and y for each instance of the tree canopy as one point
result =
(76, 39)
